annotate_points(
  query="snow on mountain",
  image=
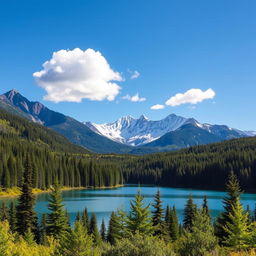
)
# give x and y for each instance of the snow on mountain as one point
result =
(136, 132)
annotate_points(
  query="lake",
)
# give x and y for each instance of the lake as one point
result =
(103, 201)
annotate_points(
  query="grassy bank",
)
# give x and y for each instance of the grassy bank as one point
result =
(16, 191)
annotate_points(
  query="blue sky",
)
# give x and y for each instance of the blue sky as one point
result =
(174, 45)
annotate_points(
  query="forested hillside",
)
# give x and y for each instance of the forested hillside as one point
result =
(53, 157)
(76, 132)
(56, 159)
(204, 167)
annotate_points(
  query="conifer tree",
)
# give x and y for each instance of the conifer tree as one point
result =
(78, 217)
(237, 229)
(85, 220)
(113, 230)
(6, 178)
(199, 240)
(4, 213)
(103, 230)
(29, 237)
(254, 213)
(158, 216)
(67, 217)
(57, 223)
(79, 243)
(43, 234)
(234, 192)
(205, 207)
(189, 213)
(94, 229)
(12, 217)
(139, 219)
(174, 225)
(25, 214)
(167, 215)
(250, 217)
(117, 228)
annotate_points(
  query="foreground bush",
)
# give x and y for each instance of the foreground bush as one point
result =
(139, 245)
(13, 246)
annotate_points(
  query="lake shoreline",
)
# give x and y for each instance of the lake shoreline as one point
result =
(16, 191)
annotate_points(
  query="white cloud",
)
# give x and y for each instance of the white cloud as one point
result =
(135, 74)
(157, 106)
(73, 75)
(192, 96)
(135, 98)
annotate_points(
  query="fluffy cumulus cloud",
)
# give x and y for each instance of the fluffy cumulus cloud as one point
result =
(73, 75)
(157, 107)
(192, 96)
(135, 74)
(135, 98)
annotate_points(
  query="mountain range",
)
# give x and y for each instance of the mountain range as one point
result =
(127, 134)
(169, 132)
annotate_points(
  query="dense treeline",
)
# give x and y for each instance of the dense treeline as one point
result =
(49, 167)
(137, 233)
(204, 167)
(54, 159)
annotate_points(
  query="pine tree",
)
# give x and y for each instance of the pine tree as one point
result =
(79, 243)
(167, 215)
(174, 225)
(117, 228)
(29, 237)
(78, 217)
(103, 231)
(6, 178)
(139, 219)
(85, 220)
(113, 231)
(25, 214)
(158, 216)
(234, 192)
(12, 217)
(189, 213)
(250, 217)
(205, 207)
(4, 215)
(199, 240)
(254, 213)
(237, 229)
(94, 229)
(57, 223)
(43, 234)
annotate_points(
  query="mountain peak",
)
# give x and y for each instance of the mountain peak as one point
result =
(143, 117)
(13, 91)
(10, 94)
(34, 110)
(135, 132)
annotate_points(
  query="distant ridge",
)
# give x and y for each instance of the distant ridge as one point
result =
(147, 133)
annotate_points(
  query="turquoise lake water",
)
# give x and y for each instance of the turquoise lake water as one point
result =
(103, 202)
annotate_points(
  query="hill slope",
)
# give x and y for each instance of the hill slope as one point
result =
(20, 128)
(73, 130)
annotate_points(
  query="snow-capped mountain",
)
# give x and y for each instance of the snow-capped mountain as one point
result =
(136, 132)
